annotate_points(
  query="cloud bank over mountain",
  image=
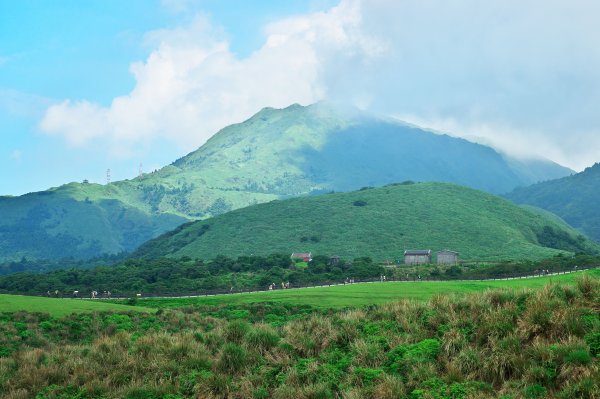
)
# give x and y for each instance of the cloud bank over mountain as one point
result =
(521, 75)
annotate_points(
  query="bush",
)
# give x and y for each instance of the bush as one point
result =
(260, 393)
(402, 356)
(131, 301)
(593, 340)
(534, 391)
(262, 339)
(587, 286)
(578, 357)
(233, 359)
(359, 203)
(236, 330)
(59, 392)
(367, 376)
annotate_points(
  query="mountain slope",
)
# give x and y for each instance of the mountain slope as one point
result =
(275, 154)
(575, 198)
(380, 223)
(57, 223)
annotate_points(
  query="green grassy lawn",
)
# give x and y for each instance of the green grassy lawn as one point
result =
(365, 294)
(59, 307)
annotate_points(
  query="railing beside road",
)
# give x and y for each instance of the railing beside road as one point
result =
(329, 283)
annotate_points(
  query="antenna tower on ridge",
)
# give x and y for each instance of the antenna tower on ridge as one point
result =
(108, 176)
(141, 171)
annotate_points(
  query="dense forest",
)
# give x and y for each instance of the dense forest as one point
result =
(182, 275)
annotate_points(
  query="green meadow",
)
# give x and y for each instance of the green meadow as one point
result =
(334, 297)
(57, 307)
(356, 295)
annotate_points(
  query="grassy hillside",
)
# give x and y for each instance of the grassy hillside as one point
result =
(80, 221)
(57, 307)
(575, 198)
(275, 154)
(498, 344)
(380, 223)
(355, 295)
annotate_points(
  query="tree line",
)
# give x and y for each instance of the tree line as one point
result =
(189, 275)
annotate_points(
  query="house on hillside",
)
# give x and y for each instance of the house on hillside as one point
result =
(334, 260)
(447, 257)
(304, 256)
(417, 257)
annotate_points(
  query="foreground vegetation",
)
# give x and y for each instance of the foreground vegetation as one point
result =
(497, 344)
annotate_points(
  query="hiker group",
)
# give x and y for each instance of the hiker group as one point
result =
(283, 286)
(105, 294)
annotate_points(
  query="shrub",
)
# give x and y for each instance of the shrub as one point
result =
(359, 203)
(262, 339)
(468, 361)
(144, 393)
(366, 376)
(587, 286)
(260, 393)
(586, 388)
(59, 392)
(120, 322)
(400, 357)
(233, 359)
(236, 330)
(131, 301)
(578, 357)
(593, 340)
(534, 391)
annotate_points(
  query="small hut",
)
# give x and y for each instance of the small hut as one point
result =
(417, 257)
(304, 256)
(447, 257)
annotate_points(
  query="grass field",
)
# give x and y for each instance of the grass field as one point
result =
(58, 307)
(365, 294)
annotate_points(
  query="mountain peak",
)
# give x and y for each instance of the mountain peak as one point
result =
(278, 153)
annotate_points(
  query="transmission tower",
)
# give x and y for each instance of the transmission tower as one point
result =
(107, 176)
(141, 171)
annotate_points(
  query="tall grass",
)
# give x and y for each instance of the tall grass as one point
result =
(496, 344)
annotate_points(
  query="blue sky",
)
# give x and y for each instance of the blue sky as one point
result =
(52, 50)
(97, 84)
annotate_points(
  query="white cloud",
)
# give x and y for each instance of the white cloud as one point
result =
(524, 75)
(191, 85)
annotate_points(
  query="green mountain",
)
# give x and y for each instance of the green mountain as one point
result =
(380, 223)
(277, 153)
(575, 198)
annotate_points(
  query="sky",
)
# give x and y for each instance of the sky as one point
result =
(88, 86)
